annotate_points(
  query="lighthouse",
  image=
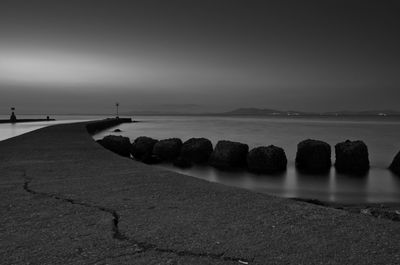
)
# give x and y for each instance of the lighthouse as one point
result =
(13, 118)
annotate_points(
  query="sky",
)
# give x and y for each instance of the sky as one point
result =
(83, 56)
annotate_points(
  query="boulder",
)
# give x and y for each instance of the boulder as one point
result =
(117, 144)
(352, 157)
(313, 156)
(197, 150)
(229, 155)
(142, 148)
(267, 159)
(168, 149)
(182, 163)
(395, 166)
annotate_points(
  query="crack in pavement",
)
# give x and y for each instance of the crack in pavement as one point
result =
(118, 235)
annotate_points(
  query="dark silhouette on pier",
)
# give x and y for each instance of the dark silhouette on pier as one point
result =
(13, 118)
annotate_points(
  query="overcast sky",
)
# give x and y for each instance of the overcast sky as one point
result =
(82, 56)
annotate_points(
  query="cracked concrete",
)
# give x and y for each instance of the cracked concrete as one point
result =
(117, 234)
(115, 217)
(85, 205)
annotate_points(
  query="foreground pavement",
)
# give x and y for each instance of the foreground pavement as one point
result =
(66, 200)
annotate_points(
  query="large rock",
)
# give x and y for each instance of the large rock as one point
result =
(352, 157)
(395, 166)
(229, 155)
(142, 148)
(267, 159)
(168, 149)
(313, 156)
(118, 144)
(197, 150)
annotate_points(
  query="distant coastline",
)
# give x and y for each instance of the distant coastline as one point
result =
(239, 112)
(273, 113)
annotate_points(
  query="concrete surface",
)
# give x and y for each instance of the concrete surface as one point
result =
(66, 200)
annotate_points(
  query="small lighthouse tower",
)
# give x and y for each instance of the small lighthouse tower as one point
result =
(13, 118)
(117, 105)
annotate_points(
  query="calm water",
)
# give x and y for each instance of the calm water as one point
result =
(381, 135)
(9, 130)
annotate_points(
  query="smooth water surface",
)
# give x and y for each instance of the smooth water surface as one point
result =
(380, 134)
(8, 130)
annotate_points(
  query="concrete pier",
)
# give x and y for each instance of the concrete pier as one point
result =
(66, 200)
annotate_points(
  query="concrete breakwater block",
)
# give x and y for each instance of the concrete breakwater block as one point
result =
(395, 165)
(352, 157)
(229, 155)
(267, 159)
(313, 156)
(142, 148)
(167, 149)
(196, 150)
(117, 144)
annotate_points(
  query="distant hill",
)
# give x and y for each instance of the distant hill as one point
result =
(273, 112)
(196, 111)
(263, 112)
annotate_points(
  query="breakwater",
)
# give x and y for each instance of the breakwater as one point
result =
(62, 194)
(313, 156)
(24, 120)
(96, 126)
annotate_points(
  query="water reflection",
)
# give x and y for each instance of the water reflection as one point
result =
(352, 187)
(331, 186)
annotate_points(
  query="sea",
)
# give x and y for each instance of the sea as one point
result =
(381, 134)
(8, 130)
